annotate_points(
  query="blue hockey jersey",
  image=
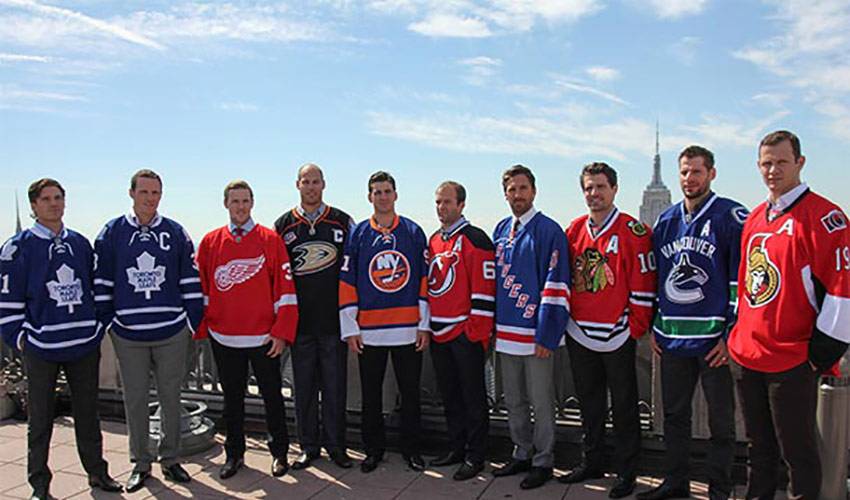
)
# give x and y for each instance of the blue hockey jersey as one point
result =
(697, 257)
(532, 291)
(46, 298)
(146, 282)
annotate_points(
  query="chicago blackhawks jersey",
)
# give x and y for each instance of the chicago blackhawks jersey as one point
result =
(316, 247)
(383, 283)
(46, 298)
(532, 277)
(794, 302)
(613, 281)
(461, 283)
(248, 288)
(698, 257)
(146, 284)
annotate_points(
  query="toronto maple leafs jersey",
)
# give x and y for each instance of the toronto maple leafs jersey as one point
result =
(383, 286)
(698, 256)
(46, 298)
(532, 284)
(146, 283)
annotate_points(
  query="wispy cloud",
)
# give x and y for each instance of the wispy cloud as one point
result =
(15, 58)
(676, 9)
(576, 86)
(480, 69)
(238, 107)
(720, 131)
(451, 25)
(9, 93)
(685, 49)
(602, 73)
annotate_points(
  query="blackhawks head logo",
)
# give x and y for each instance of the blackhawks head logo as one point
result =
(763, 279)
(591, 272)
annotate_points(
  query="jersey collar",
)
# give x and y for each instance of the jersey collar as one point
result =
(786, 200)
(459, 224)
(525, 218)
(134, 221)
(604, 227)
(384, 230)
(691, 218)
(44, 233)
(246, 228)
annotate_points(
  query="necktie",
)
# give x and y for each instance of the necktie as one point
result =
(514, 229)
(238, 232)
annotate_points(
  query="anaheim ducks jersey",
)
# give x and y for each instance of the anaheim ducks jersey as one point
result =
(613, 281)
(461, 283)
(315, 249)
(794, 304)
(698, 256)
(383, 293)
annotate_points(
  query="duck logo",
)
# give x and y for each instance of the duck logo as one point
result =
(762, 278)
(679, 285)
(389, 271)
(442, 273)
(313, 257)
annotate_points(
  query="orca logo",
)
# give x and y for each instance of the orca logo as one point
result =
(312, 257)
(684, 283)
(442, 273)
(389, 271)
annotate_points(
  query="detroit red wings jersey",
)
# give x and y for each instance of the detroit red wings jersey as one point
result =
(613, 281)
(794, 287)
(461, 283)
(248, 288)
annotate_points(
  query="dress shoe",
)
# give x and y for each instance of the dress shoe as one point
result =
(104, 482)
(370, 463)
(623, 487)
(280, 466)
(450, 458)
(415, 462)
(304, 459)
(513, 467)
(40, 494)
(230, 468)
(468, 470)
(176, 473)
(665, 490)
(536, 478)
(340, 458)
(580, 474)
(137, 480)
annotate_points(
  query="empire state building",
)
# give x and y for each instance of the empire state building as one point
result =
(656, 196)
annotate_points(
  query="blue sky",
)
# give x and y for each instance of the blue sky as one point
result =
(205, 92)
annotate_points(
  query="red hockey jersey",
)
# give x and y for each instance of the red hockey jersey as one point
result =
(613, 281)
(461, 283)
(248, 288)
(794, 287)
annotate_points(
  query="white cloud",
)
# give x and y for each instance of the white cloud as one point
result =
(676, 9)
(13, 58)
(685, 49)
(576, 86)
(602, 73)
(451, 25)
(238, 107)
(717, 131)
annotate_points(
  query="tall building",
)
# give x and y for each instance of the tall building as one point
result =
(656, 196)
(17, 215)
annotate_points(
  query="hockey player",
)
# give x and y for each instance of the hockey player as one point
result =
(793, 318)
(383, 311)
(47, 313)
(613, 290)
(251, 316)
(532, 267)
(696, 243)
(461, 288)
(148, 291)
(314, 234)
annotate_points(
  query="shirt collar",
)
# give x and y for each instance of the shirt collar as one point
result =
(787, 199)
(246, 228)
(525, 218)
(315, 214)
(449, 231)
(45, 233)
(134, 221)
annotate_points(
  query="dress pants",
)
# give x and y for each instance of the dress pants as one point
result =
(82, 375)
(528, 384)
(232, 366)
(407, 365)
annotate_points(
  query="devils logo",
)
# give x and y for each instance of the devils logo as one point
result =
(442, 273)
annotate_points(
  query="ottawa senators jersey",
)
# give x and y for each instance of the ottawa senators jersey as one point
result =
(613, 281)
(794, 287)
(461, 283)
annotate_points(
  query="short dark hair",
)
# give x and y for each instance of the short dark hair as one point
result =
(34, 191)
(598, 167)
(695, 151)
(237, 184)
(147, 173)
(515, 171)
(774, 138)
(460, 191)
(380, 176)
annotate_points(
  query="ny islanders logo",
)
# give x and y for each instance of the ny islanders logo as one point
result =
(389, 271)
(312, 257)
(684, 283)
(762, 279)
(591, 271)
(442, 273)
(237, 271)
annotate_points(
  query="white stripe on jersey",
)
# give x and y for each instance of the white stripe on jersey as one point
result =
(152, 326)
(834, 318)
(146, 310)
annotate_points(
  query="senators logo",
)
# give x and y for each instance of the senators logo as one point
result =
(389, 271)
(313, 257)
(237, 271)
(591, 271)
(442, 273)
(762, 279)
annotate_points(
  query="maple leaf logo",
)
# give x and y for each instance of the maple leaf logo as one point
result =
(66, 291)
(147, 276)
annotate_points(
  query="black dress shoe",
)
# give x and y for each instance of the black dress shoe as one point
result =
(536, 478)
(580, 474)
(623, 487)
(513, 467)
(370, 463)
(40, 494)
(304, 459)
(104, 482)
(230, 468)
(340, 458)
(137, 480)
(415, 462)
(280, 466)
(176, 473)
(450, 458)
(665, 490)
(468, 470)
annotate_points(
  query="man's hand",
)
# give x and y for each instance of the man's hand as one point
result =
(654, 345)
(355, 343)
(277, 347)
(423, 338)
(541, 352)
(717, 356)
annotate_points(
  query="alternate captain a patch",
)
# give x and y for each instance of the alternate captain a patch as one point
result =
(763, 279)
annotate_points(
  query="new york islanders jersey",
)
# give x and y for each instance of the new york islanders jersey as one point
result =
(532, 277)
(383, 292)
(698, 256)
(461, 283)
(146, 283)
(248, 288)
(46, 298)
(794, 293)
(613, 281)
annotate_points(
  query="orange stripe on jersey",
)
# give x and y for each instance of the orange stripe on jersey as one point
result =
(347, 294)
(391, 316)
(423, 287)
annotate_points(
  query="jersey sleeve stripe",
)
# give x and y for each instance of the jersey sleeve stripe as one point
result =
(347, 294)
(12, 305)
(12, 319)
(287, 299)
(106, 283)
(481, 296)
(834, 318)
(186, 281)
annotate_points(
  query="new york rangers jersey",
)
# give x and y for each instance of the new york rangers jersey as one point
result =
(46, 299)
(146, 283)
(613, 281)
(698, 256)
(383, 283)
(532, 277)
(461, 283)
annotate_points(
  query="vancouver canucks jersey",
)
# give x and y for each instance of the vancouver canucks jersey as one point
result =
(46, 299)
(698, 257)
